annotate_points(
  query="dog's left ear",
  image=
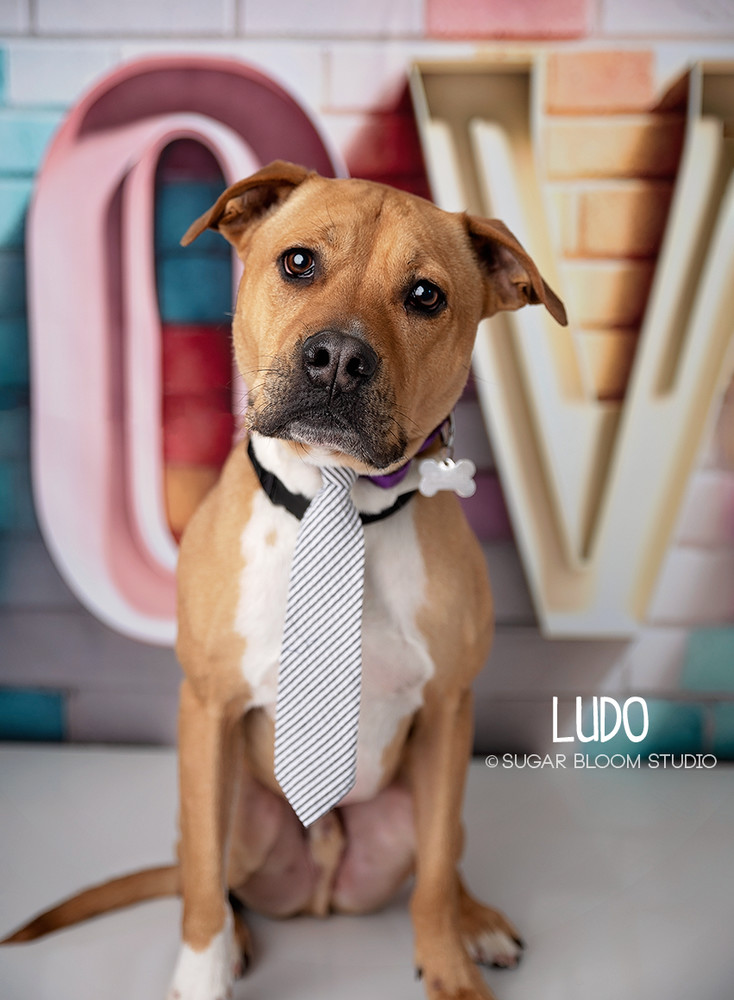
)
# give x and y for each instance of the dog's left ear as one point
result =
(512, 279)
(247, 200)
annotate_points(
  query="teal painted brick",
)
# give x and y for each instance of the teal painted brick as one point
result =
(709, 662)
(12, 284)
(7, 497)
(675, 727)
(32, 715)
(194, 289)
(25, 509)
(13, 396)
(13, 352)
(16, 497)
(15, 196)
(14, 433)
(723, 742)
(177, 205)
(24, 137)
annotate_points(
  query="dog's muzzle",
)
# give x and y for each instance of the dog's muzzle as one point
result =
(334, 394)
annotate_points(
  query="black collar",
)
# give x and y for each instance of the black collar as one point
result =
(297, 504)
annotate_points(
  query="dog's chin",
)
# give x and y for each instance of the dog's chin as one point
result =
(337, 438)
(341, 439)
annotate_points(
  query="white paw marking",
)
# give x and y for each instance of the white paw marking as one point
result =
(494, 948)
(447, 475)
(207, 974)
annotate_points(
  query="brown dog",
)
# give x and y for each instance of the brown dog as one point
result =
(354, 328)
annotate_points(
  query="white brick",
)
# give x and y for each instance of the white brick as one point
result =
(674, 57)
(135, 17)
(29, 577)
(326, 19)
(696, 587)
(655, 660)
(702, 18)
(299, 67)
(370, 76)
(343, 129)
(64, 649)
(524, 664)
(122, 717)
(15, 16)
(54, 73)
(707, 517)
(367, 77)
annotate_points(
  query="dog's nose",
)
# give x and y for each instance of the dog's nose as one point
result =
(338, 361)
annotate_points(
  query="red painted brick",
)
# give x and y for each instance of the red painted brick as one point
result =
(196, 359)
(412, 183)
(386, 146)
(188, 159)
(197, 430)
(507, 18)
(602, 82)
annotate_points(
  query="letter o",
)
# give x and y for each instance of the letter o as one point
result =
(99, 513)
(646, 719)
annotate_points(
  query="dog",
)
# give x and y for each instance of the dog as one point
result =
(354, 326)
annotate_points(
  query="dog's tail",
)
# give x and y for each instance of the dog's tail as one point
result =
(151, 883)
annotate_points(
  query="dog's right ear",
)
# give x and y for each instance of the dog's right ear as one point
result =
(247, 200)
(511, 278)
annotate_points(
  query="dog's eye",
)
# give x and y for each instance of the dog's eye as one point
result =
(425, 297)
(298, 263)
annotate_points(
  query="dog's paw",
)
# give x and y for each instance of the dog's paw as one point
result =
(209, 974)
(494, 948)
(453, 981)
(489, 938)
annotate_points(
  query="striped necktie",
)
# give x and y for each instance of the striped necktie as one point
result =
(319, 680)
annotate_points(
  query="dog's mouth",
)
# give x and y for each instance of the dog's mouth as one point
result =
(325, 431)
(373, 438)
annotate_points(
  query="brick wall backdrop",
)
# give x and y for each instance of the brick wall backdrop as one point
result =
(609, 153)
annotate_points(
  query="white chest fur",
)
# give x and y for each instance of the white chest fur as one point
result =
(395, 660)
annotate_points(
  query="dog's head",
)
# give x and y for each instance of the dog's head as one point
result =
(358, 308)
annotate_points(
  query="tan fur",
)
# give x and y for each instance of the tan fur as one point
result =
(112, 895)
(371, 244)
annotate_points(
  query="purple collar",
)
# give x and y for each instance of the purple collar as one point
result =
(395, 478)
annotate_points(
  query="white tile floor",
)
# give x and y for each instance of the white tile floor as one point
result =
(622, 883)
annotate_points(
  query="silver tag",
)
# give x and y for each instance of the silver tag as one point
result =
(446, 474)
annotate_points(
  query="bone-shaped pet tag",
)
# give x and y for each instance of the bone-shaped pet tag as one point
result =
(446, 474)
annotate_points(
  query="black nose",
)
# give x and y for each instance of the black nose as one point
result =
(338, 361)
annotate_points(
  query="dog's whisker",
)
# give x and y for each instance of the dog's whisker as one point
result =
(486, 381)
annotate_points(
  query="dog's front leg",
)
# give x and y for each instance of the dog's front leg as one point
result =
(440, 749)
(211, 752)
